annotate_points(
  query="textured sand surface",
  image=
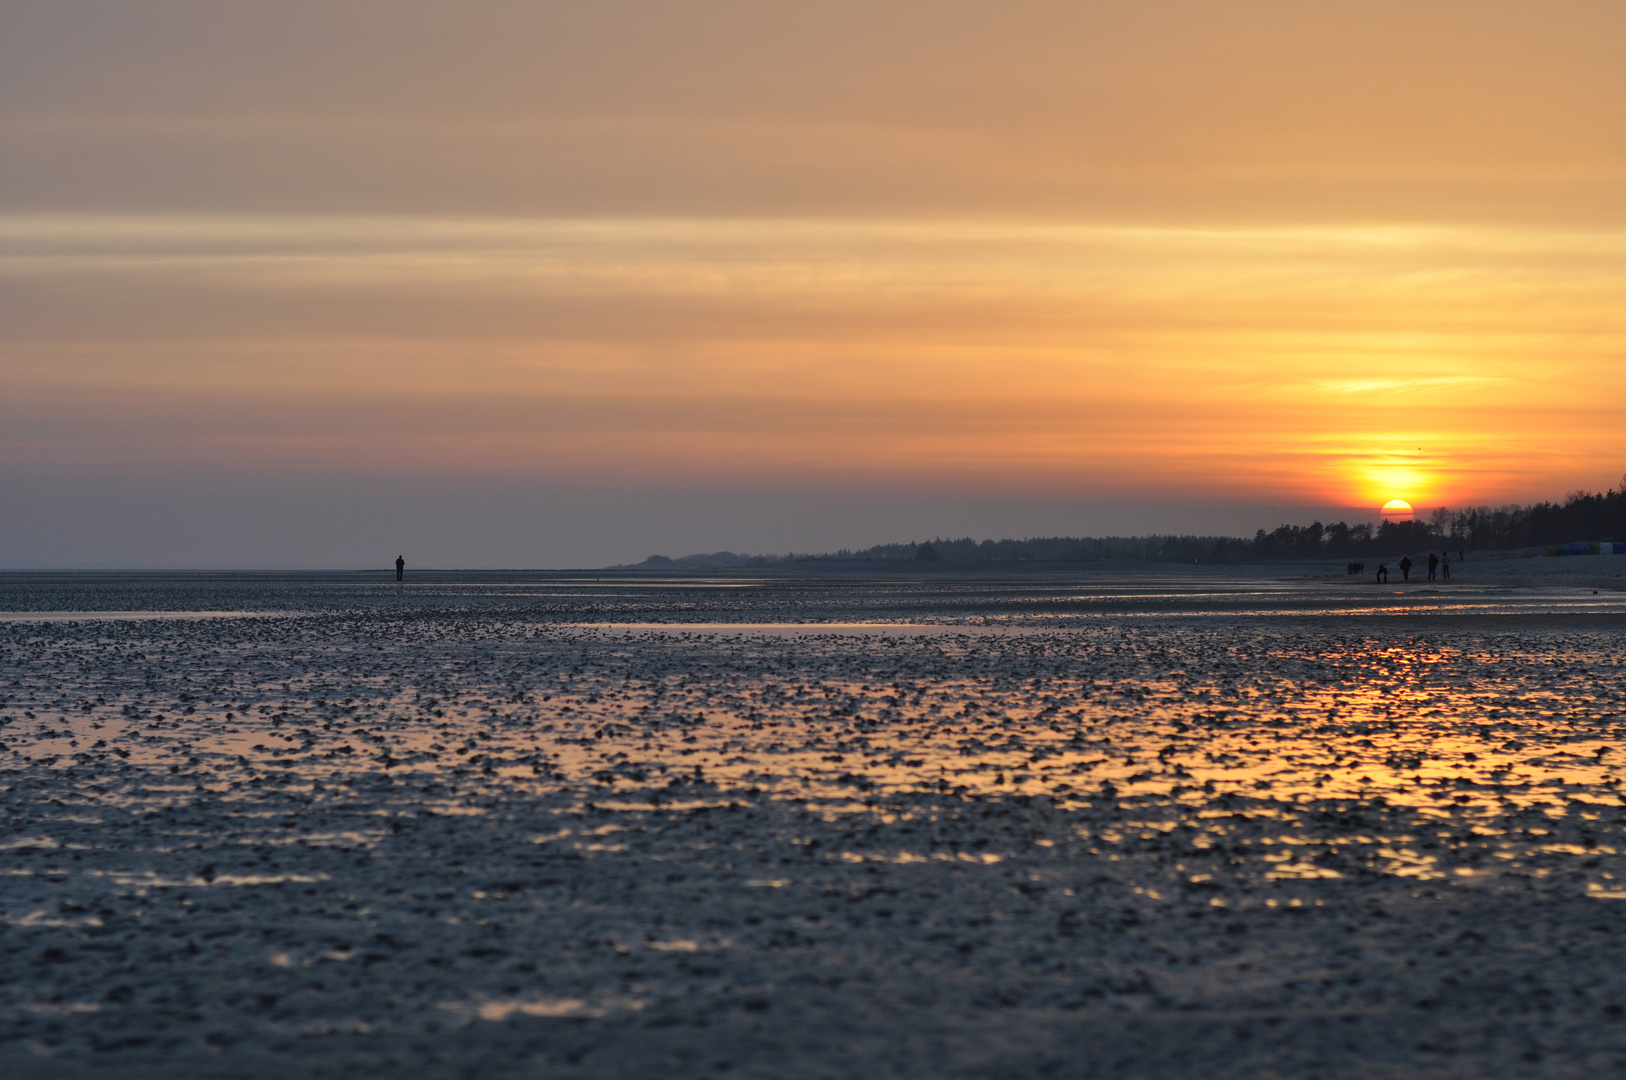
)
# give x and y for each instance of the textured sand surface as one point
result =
(1161, 825)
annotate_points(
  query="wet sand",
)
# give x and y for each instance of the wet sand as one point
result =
(1165, 823)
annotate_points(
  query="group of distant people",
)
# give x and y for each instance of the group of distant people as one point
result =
(1437, 565)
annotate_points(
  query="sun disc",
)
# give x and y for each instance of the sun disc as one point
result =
(1397, 510)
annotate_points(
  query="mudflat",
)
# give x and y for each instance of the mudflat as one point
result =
(1143, 822)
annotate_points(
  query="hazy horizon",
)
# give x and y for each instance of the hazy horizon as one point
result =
(341, 526)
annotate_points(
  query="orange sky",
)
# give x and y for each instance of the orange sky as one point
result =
(1264, 253)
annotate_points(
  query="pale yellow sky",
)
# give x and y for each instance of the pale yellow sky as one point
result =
(1270, 253)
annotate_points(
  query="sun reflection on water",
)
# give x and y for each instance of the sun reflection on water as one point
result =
(1463, 746)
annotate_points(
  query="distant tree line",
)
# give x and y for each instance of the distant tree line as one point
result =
(1581, 516)
(1588, 516)
(1047, 549)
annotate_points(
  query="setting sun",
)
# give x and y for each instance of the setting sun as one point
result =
(902, 275)
(883, 460)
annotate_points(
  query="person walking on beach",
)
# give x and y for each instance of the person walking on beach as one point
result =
(400, 567)
(1433, 565)
(1383, 574)
(1405, 568)
(1445, 565)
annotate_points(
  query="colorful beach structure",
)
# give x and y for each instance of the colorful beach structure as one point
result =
(1602, 547)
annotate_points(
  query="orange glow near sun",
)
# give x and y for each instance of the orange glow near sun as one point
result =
(1102, 256)
(1077, 358)
(1374, 477)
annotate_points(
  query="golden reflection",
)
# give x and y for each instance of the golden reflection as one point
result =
(1449, 758)
(1434, 728)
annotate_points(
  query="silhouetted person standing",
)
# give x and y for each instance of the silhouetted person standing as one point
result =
(1405, 568)
(1433, 565)
(1445, 565)
(400, 567)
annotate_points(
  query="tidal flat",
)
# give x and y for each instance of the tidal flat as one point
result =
(1136, 822)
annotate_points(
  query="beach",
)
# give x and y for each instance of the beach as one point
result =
(1141, 821)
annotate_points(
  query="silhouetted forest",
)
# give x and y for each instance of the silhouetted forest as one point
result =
(1048, 549)
(1582, 516)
